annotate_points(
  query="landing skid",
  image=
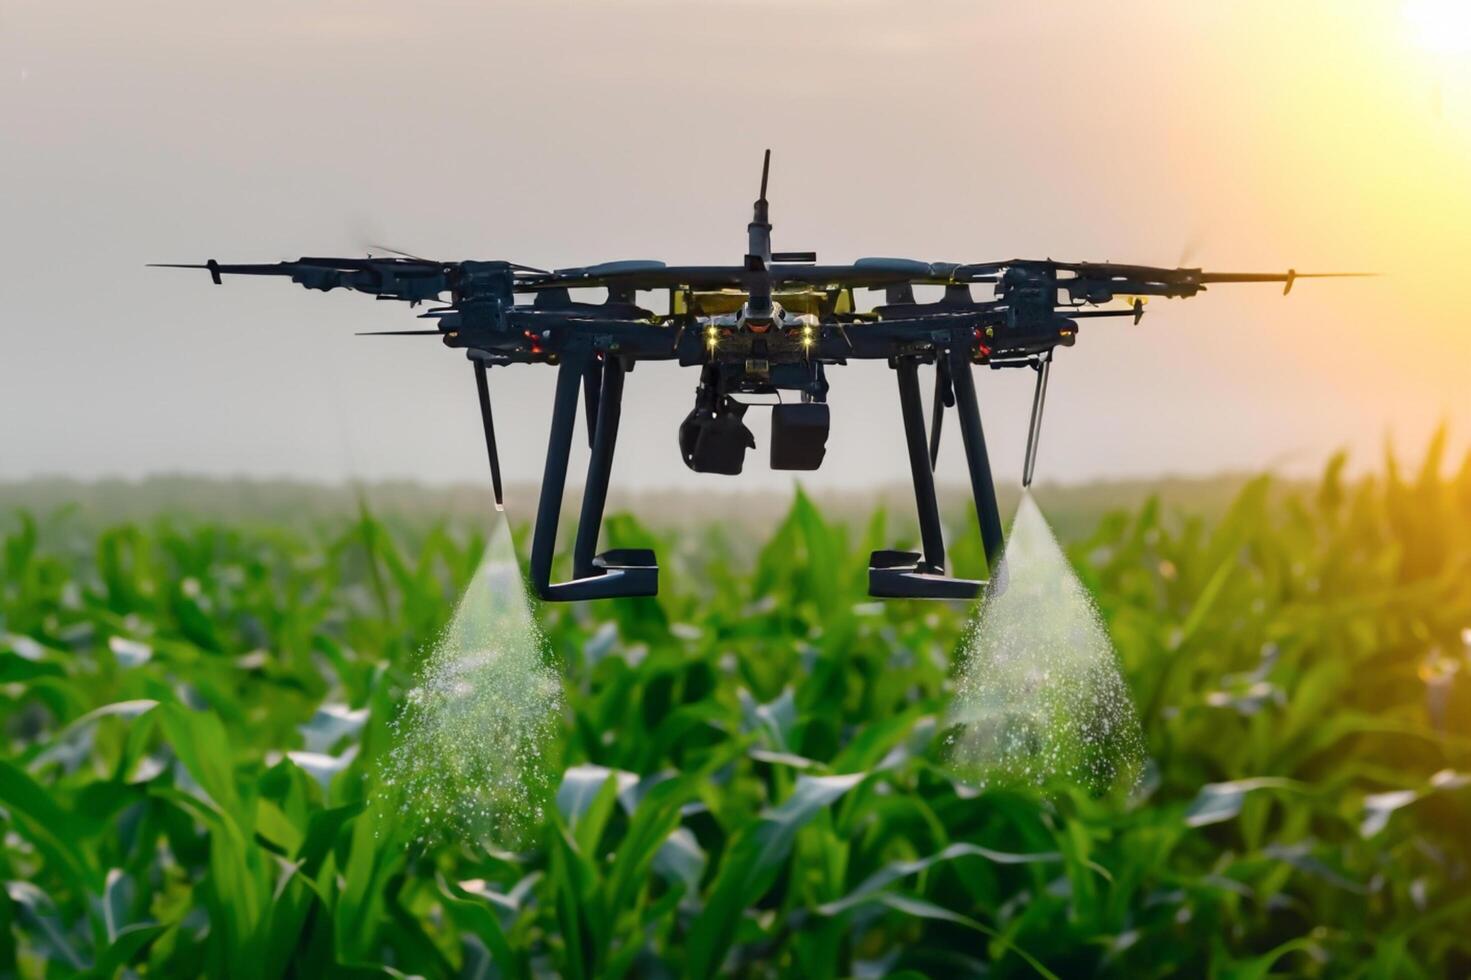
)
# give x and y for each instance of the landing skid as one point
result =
(611, 574)
(921, 575)
(635, 572)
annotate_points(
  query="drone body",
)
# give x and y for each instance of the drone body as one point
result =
(772, 325)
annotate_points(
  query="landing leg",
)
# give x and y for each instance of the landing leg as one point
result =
(554, 476)
(982, 487)
(907, 574)
(600, 468)
(624, 572)
(919, 466)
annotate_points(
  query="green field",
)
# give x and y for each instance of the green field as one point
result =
(755, 785)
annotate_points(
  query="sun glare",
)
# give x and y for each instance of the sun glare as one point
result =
(1440, 25)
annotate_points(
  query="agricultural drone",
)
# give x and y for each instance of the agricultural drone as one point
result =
(776, 323)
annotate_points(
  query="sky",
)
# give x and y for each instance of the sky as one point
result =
(1252, 136)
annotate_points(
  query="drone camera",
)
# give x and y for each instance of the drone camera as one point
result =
(799, 435)
(716, 441)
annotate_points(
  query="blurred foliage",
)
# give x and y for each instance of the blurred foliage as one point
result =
(192, 712)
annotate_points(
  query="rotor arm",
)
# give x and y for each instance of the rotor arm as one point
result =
(1099, 282)
(1287, 278)
(411, 280)
(216, 270)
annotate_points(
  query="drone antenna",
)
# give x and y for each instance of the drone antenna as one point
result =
(758, 254)
(760, 218)
(759, 230)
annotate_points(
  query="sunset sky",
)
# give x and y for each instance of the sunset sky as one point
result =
(1244, 136)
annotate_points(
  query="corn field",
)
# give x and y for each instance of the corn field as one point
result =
(751, 782)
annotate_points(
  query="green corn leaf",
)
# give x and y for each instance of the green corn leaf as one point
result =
(921, 909)
(752, 864)
(583, 927)
(238, 892)
(200, 742)
(56, 832)
(897, 870)
(125, 948)
(477, 916)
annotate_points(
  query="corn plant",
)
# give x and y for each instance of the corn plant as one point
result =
(194, 712)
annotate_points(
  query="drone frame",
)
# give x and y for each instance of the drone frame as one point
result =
(1037, 307)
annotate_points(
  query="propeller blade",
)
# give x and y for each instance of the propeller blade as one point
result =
(396, 251)
(211, 265)
(419, 258)
(1287, 278)
(1187, 252)
(399, 333)
(1280, 276)
(216, 269)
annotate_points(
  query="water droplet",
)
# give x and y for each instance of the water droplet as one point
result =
(474, 739)
(1038, 695)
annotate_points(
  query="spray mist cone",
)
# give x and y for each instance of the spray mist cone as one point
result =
(473, 741)
(1038, 693)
